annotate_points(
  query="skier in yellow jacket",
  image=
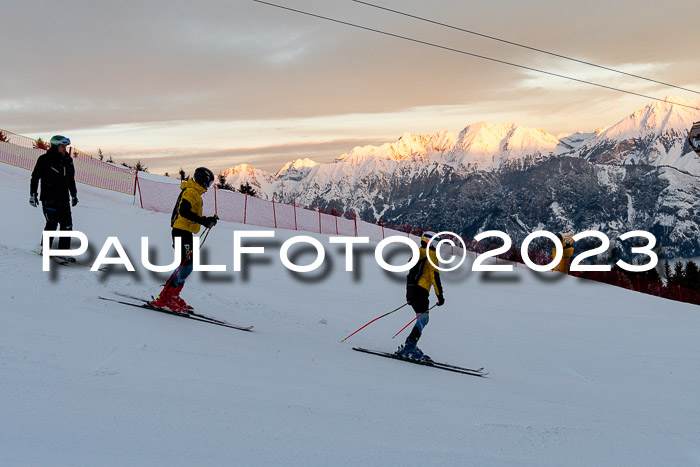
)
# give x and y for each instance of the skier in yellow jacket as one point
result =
(186, 221)
(421, 279)
(567, 242)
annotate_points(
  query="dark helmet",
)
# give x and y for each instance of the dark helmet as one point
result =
(204, 176)
(59, 140)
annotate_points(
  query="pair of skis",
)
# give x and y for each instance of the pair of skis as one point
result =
(146, 304)
(442, 366)
(67, 261)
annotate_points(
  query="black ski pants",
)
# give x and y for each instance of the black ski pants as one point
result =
(420, 301)
(58, 214)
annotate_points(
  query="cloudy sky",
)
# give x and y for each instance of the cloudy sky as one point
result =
(218, 83)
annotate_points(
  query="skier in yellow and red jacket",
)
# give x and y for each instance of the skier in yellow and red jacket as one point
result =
(186, 220)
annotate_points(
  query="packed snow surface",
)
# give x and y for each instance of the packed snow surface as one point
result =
(580, 373)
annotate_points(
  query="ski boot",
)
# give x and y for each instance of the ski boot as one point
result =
(183, 307)
(166, 300)
(410, 352)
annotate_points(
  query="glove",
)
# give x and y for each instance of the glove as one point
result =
(75, 201)
(441, 300)
(209, 222)
(34, 200)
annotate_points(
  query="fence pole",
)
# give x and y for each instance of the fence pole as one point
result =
(136, 179)
(294, 203)
(381, 222)
(245, 208)
(355, 216)
(319, 219)
(140, 194)
(216, 207)
(336, 222)
(274, 214)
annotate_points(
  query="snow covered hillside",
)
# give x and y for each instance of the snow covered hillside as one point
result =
(580, 373)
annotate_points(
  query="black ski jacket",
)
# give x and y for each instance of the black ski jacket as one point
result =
(57, 175)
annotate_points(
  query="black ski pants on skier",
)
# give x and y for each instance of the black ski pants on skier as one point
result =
(420, 301)
(186, 259)
(58, 214)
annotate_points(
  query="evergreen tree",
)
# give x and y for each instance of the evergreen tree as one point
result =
(692, 275)
(678, 277)
(667, 272)
(166, 174)
(247, 189)
(110, 160)
(652, 275)
(222, 184)
(99, 154)
(140, 167)
(4, 137)
(183, 175)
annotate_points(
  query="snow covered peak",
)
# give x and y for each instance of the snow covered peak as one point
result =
(486, 146)
(655, 118)
(298, 164)
(244, 173)
(654, 135)
(240, 168)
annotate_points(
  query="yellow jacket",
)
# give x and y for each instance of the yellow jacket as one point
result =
(190, 197)
(431, 276)
(568, 244)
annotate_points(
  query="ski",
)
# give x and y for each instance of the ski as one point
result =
(196, 317)
(443, 366)
(192, 312)
(67, 261)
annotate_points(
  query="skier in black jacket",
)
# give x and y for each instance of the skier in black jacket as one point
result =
(58, 191)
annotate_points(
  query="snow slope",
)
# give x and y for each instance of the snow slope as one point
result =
(581, 373)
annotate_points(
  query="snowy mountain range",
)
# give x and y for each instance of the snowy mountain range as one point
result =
(639, 173)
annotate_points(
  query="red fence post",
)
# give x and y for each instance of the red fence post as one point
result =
(319, 219)
(355, 215)
(140, 195)
(245, 208)
(274, 215)
(408, 231)
(381, 222)
(136, 179)
(294, 203)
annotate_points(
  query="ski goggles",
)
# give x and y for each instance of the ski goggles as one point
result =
(59, 140)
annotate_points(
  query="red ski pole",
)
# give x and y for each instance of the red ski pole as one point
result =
(375, 319)
(411, 322)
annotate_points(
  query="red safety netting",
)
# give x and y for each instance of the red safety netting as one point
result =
(635, 281)
(20, 151)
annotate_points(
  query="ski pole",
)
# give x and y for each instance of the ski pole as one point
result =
(172, 276)
(410, 322)
(375, 319)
